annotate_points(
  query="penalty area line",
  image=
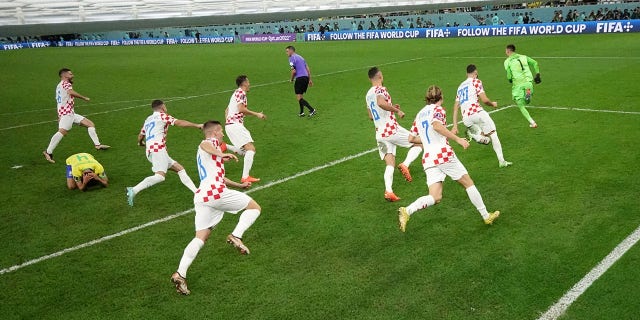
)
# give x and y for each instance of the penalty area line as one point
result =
(175, 215)
(559, 308)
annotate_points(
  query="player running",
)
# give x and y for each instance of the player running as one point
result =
(212, 200)
(389, 133)
(480, 126)
(518, 67)
(439, 160)
(153, 135)
(67, 117)
(239, 135)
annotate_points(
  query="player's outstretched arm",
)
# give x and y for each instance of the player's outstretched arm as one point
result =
(441, 129)
(210, 149)
(231, 183)
(187, 124)
(243, 108)
(389, 106)
(77, 95)
(456, 107)
(483, 97)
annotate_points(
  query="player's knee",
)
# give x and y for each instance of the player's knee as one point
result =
(159, 177)
(253, 205)
(437, 198)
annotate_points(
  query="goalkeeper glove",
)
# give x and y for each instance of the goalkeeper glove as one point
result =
(537, 78)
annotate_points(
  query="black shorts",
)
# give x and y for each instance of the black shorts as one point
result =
(301, 85)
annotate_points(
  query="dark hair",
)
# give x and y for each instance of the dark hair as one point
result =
(434, 94)
(156, 103)
(240, 79)
(471, 68)
(292, 48)
(211, 123)
(511, 47)
(63, 70)
(373, 71)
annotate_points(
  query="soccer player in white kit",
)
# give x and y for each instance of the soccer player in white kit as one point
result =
(67, 117)
(153, 135)
(389, 133)
(439, 160)
(239, 135)
(469, 94)
(213, 199)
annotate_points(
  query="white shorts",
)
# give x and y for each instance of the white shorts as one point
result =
(67, 121)
(238, 134)
(454, 169)
(388, 145)
(482, 119)
(209, 214)
(160, 161)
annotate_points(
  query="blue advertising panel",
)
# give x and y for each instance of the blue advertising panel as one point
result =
(590, 27)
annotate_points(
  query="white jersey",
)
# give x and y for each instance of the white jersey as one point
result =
(467, 96)
(64, 99)
(233, 112)
(155, 131)
(384, 121)
(211, 172)
(436, 146)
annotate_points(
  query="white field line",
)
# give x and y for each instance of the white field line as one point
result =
(187, 97)
(176, 215)
(558, 309)
(554, 311)
(124, 232)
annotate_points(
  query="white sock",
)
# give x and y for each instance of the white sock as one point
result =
(93, 135)
(388, 179)
(413, 154)
(148, 182)
(186, 180)
(497, 147)
(54, 142)
(420, 203)
(248, 163)
(247, 218)
(476, 199)
(190, 253)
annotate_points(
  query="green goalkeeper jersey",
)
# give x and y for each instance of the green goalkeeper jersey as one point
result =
(518, 67)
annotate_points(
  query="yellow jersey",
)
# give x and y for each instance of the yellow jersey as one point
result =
(83, 161)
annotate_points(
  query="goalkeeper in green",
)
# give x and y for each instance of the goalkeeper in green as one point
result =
(518, 67)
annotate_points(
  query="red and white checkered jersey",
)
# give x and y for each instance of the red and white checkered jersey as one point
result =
(436, 146)
(384, 121)
(211, 171)
(233, 113)
(63, 98)
(467, 96)
(155, 131)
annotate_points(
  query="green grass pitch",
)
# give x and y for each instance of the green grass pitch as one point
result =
(327, 245)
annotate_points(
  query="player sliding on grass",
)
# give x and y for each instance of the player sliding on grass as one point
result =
(480, 126)
(439, 160)
(518, 67)
(213, 199)
(389, 133)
